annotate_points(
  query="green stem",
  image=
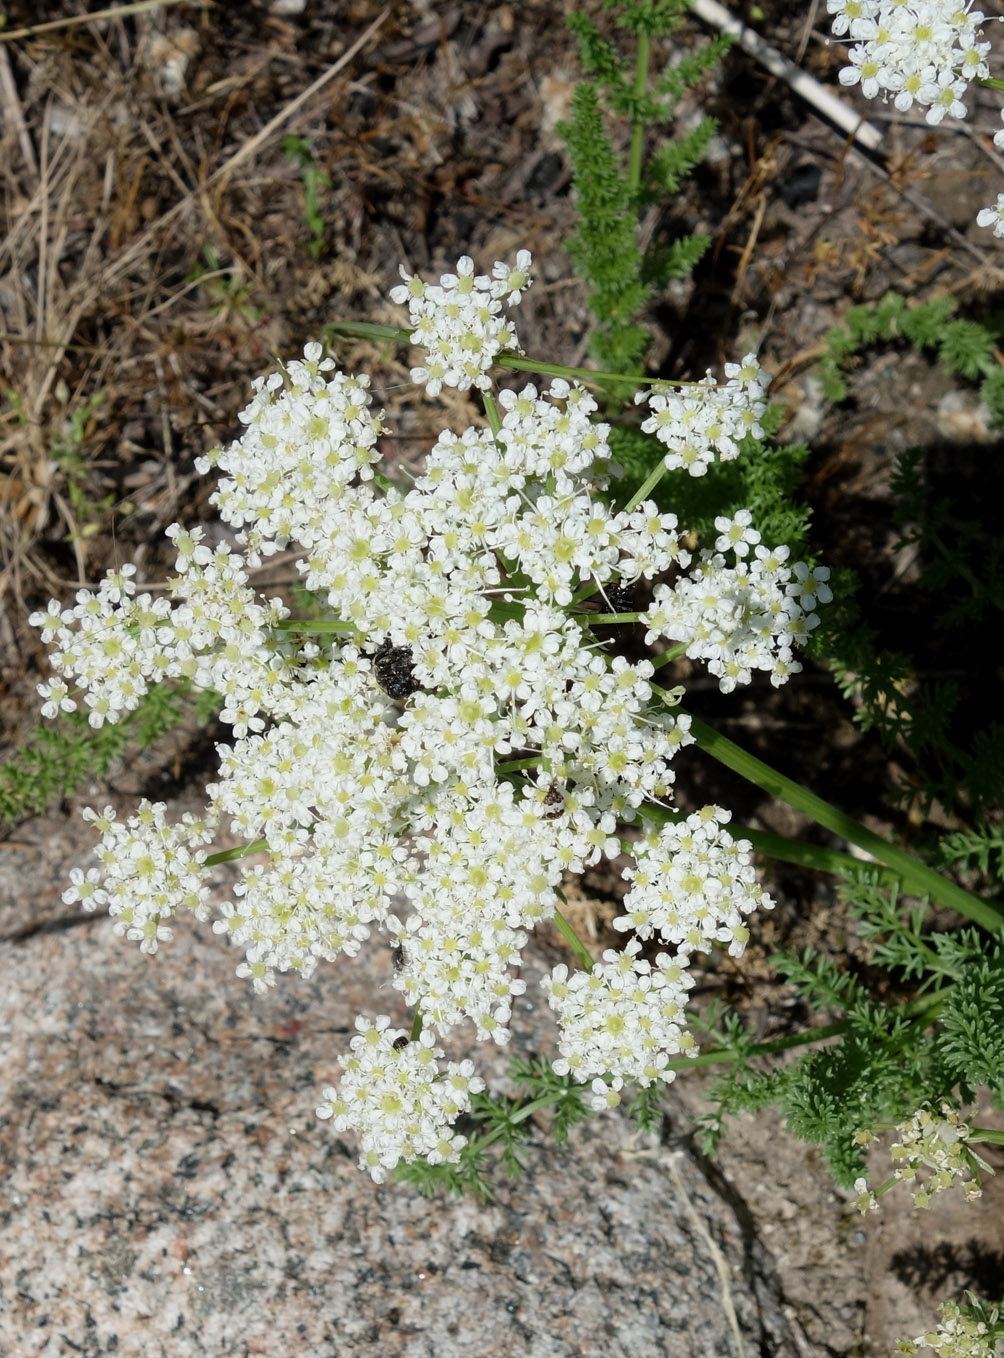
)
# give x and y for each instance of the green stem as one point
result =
(777, 847)
(242, 851)
(919, 879)
(315, 625)
(730, 1055)
(520, 363)
(608, 619)
(571, 937)
(514, 765)
(673, 653)
(416, 1025)
(637, 119)
(492, 412)
(520, 1114)
(367, 330)
(648, 485)
(506, 359)
(985, 1134)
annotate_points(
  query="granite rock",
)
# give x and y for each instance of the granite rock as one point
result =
(167, 1189)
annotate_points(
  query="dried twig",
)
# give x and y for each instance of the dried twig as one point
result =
(12, 104)
(833, 108)
(810, 90)
(244, 152)
(116, 12)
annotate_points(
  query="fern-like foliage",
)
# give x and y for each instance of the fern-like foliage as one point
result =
(819, 981)
(980, 850)
(612, 187)
(604, 249)
(971, 1037)
(61, 756)
(965, 348)
(883, 1059)
(764, 479)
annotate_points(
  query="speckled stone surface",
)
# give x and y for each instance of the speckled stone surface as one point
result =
(167, 1189)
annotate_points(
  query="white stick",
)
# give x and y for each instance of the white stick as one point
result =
(716, 16)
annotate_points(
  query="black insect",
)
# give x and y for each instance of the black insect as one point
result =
(398, 957)
(394, 667)
(400, 1043)
(621, 597)
(554, 803)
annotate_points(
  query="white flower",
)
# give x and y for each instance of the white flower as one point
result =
(993, 216)
(459, 322)
(918, 50)
(692, 883)
(624, 1018)
(447, 635)
(151, 870)
(936, 1142)
(866, 68)
(703, 421)
(394, 1096)
(740, 618)
(960, 1335)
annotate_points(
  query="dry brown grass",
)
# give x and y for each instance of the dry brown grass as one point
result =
(151, 258)
(104, 204)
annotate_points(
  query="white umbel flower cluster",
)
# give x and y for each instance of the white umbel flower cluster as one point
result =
(933, 1142)
(115, 644)
(624, 1018)
(428, 758)
(742, 617)
(692, 884)
(459, 323)
(932, 1153)
(393, 1089)
(958, 1336)
(150, 871)
(704, 422)
(914, 51)
(923, 52)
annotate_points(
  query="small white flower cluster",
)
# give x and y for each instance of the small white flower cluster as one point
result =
(115, 643)
(740, 618)
(921, 52)
(866, 1201)
(918, 51)
(395, 1097)
(624, 1018)
(928, 1141)
(704, 420)
(958, 1336)
(108, 642)
(150, 871)
(309, 436)
(935, 1141)
(458, 323)
(692, 883)
(365, 760)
